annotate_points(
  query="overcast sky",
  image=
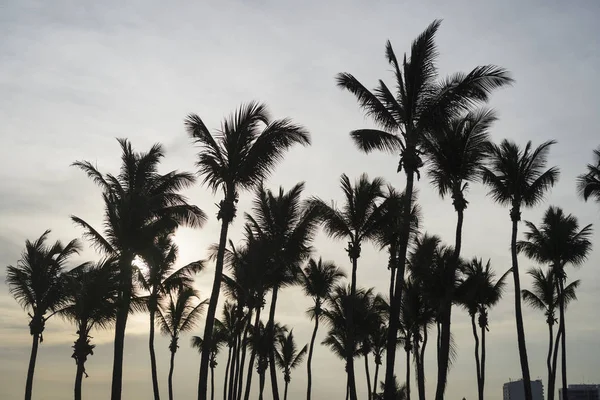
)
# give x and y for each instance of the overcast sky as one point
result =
(76, 75)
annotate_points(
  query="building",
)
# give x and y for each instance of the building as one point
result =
(515, 390)
(582, 392)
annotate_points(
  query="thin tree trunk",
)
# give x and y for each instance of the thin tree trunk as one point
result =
(121, 324)
(285, 390)
(232, 368)
(550, 395)
(252, 354)
(444, 353)
(310, 354)
(212, 309)
(518, 312)
(421, 366)
(555, 358)
(227, 373)
(563, 341)
(477, 362)
(171, 375)
(151, 347)
(392, 264)
(369, 393)
(79, 379)
(212, 383)
(350, 333)
(271, 325)
(243, 363)
(375, 380)
(407, 373)
(347, 388)
(31, 369)
(482, 386)
(396, 301)
(261, 382)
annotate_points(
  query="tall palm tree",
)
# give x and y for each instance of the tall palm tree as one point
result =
(558, 242)
(288, 226)
(378, 342)
(318, 281)
(288, 357)
(220, 339)
(37, 284)
(422, 101)
(237, 157)
(262, 343)
(519, 178)
(179, 314)
(478, 292)
(455, 153)
(159, 278)
(588, 184)
(140, 204)
(92, 294)
(356, 221)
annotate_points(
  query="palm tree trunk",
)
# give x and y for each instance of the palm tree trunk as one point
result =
(375, 379)
(271, 325)
(407, 349)
(555, 359)
(310, 355)
(396, 300)
(392, 265)
(563, 341)
(518, 312)
(226, 373)
(261, 383)
(78, 380)
(152, 353)
(550, 395)
(350, 333)
(482, 386)
(285, 390)
(232, 368)
(31, 369)
(444, 353)
(421, 366)
(212, 383)
(243, 363)
(171, 375)
(368, 376)
(212, 308)
(252, 354)
(347, 387)
(125, 272)
(477, 362)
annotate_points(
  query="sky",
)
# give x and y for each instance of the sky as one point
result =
(76, 75)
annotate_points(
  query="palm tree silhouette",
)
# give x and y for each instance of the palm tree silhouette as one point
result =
(288, 357)
(37, 284)
(318, 281)
(357, 221)
(588, 184)
(478, 292)
(140, 204)
(158, 279)
(220, 339)
(455, 153)
(238, 157)
(92, 295)
(179, 314)
(399, 392)
(519, 178)
(262, 344)
(558, 242)
(421, 102)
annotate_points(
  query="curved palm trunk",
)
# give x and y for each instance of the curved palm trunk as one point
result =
(518, 312)
(79, 380)
(31, 369)
(271, 325)
(555, 359)
(227, 367)
(152, 353)
(396, 300)
(240, 381)
(482, 386)
(350, 333)
(310, 355)
(407, 373)
(80, 358)
(285, 390)
(369, 393)
(120, 325)
(421, 366)
(212, 383)
(212, 309)
(252, 355)
(563, 341)
(444, 350)
(549, 362)
(477, 362)
(375, 379)
(171, 375)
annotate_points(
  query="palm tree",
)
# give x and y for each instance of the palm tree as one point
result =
(519, 178)
(399, 392)
(160, 278)
(179, 314)
(357, 221)
(288, 227)
(455, 155)
(318, 281)
(263, 343)
(478, 293)
(220, 338)
(288, 357)
(588, 184)
(238, 157)
(422, 101)
(558, 242)
(140, 204)
(37, 284)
